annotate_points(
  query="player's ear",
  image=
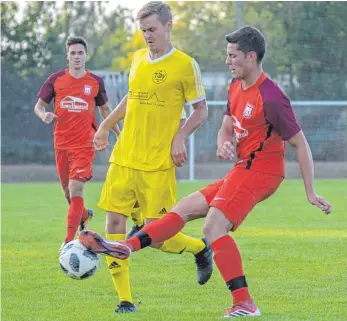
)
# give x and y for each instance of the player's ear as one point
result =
(252, 56)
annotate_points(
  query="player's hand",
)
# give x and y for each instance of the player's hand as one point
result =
(101, 139)
(225, 151)
(178, 150)
(48, 117)
(320, 202)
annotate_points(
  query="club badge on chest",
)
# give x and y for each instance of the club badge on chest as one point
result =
(87, 90)
(248, 111)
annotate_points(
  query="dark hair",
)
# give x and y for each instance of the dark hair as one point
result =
(76, 40)
(249, 39)
(161, 9)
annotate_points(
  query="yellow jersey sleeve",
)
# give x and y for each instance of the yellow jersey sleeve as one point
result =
(192, 84)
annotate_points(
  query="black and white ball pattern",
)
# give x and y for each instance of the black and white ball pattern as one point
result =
(77, 262)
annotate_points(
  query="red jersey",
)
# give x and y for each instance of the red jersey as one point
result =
(263, 120)
(74, 104)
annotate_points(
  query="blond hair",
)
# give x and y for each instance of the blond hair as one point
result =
(161, 9)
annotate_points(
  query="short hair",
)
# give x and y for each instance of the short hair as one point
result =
(76, 40)
(249, 39)
(161, 9)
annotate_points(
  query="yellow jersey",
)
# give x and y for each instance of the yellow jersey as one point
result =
(158, 90)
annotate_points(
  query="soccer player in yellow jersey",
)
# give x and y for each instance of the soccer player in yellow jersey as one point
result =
(151, 144)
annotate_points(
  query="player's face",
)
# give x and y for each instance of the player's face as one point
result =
(156, 34)
(77, 56)
(237, 61)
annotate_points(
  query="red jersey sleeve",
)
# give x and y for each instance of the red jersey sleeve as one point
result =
(46, 92)
(101, 98)
(279, 113)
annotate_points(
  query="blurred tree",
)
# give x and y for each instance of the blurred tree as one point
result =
(307, 58)
(199, 29)
(37, 42)
(318, 50)
(123, 61)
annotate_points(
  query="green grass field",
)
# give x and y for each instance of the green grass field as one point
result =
(294, 256)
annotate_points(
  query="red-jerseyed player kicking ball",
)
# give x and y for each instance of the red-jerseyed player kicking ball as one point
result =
(76, 92)
(260, 116)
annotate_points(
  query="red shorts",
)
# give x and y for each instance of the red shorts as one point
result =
(74, 164)
(239, 191)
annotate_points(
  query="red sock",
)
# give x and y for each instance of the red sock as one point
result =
(74, 217)
(158, 230)
(228, 260)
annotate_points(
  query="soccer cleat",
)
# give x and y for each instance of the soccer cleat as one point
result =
(83, 224)
(126, 307)
(204, 264)
(244, 309)
(134, 229)
(97, 244)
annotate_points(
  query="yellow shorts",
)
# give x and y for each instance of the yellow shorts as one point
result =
(155, 191)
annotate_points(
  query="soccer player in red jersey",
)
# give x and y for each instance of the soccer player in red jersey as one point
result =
(76, 92)
(259, 115)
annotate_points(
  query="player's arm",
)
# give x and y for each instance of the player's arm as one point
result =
(40, 111)
(105, 110)
(194, 94)
(280, 115)
(183, 118)
(195, 120)
(101, 136)
(225, 148)
(45, 95)
(304, 155)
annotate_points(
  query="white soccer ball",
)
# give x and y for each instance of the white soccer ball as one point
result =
(77, 261)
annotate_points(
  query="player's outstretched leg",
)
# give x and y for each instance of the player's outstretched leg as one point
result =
(97, 244)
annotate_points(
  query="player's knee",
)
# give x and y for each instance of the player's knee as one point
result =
(191, 207)
(76, 188)
(216, 225)
(208, 231)
(213, 233)
(115, 223)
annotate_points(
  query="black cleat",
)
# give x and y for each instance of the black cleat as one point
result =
(126, 307)
(204, 264)
(134, 229)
